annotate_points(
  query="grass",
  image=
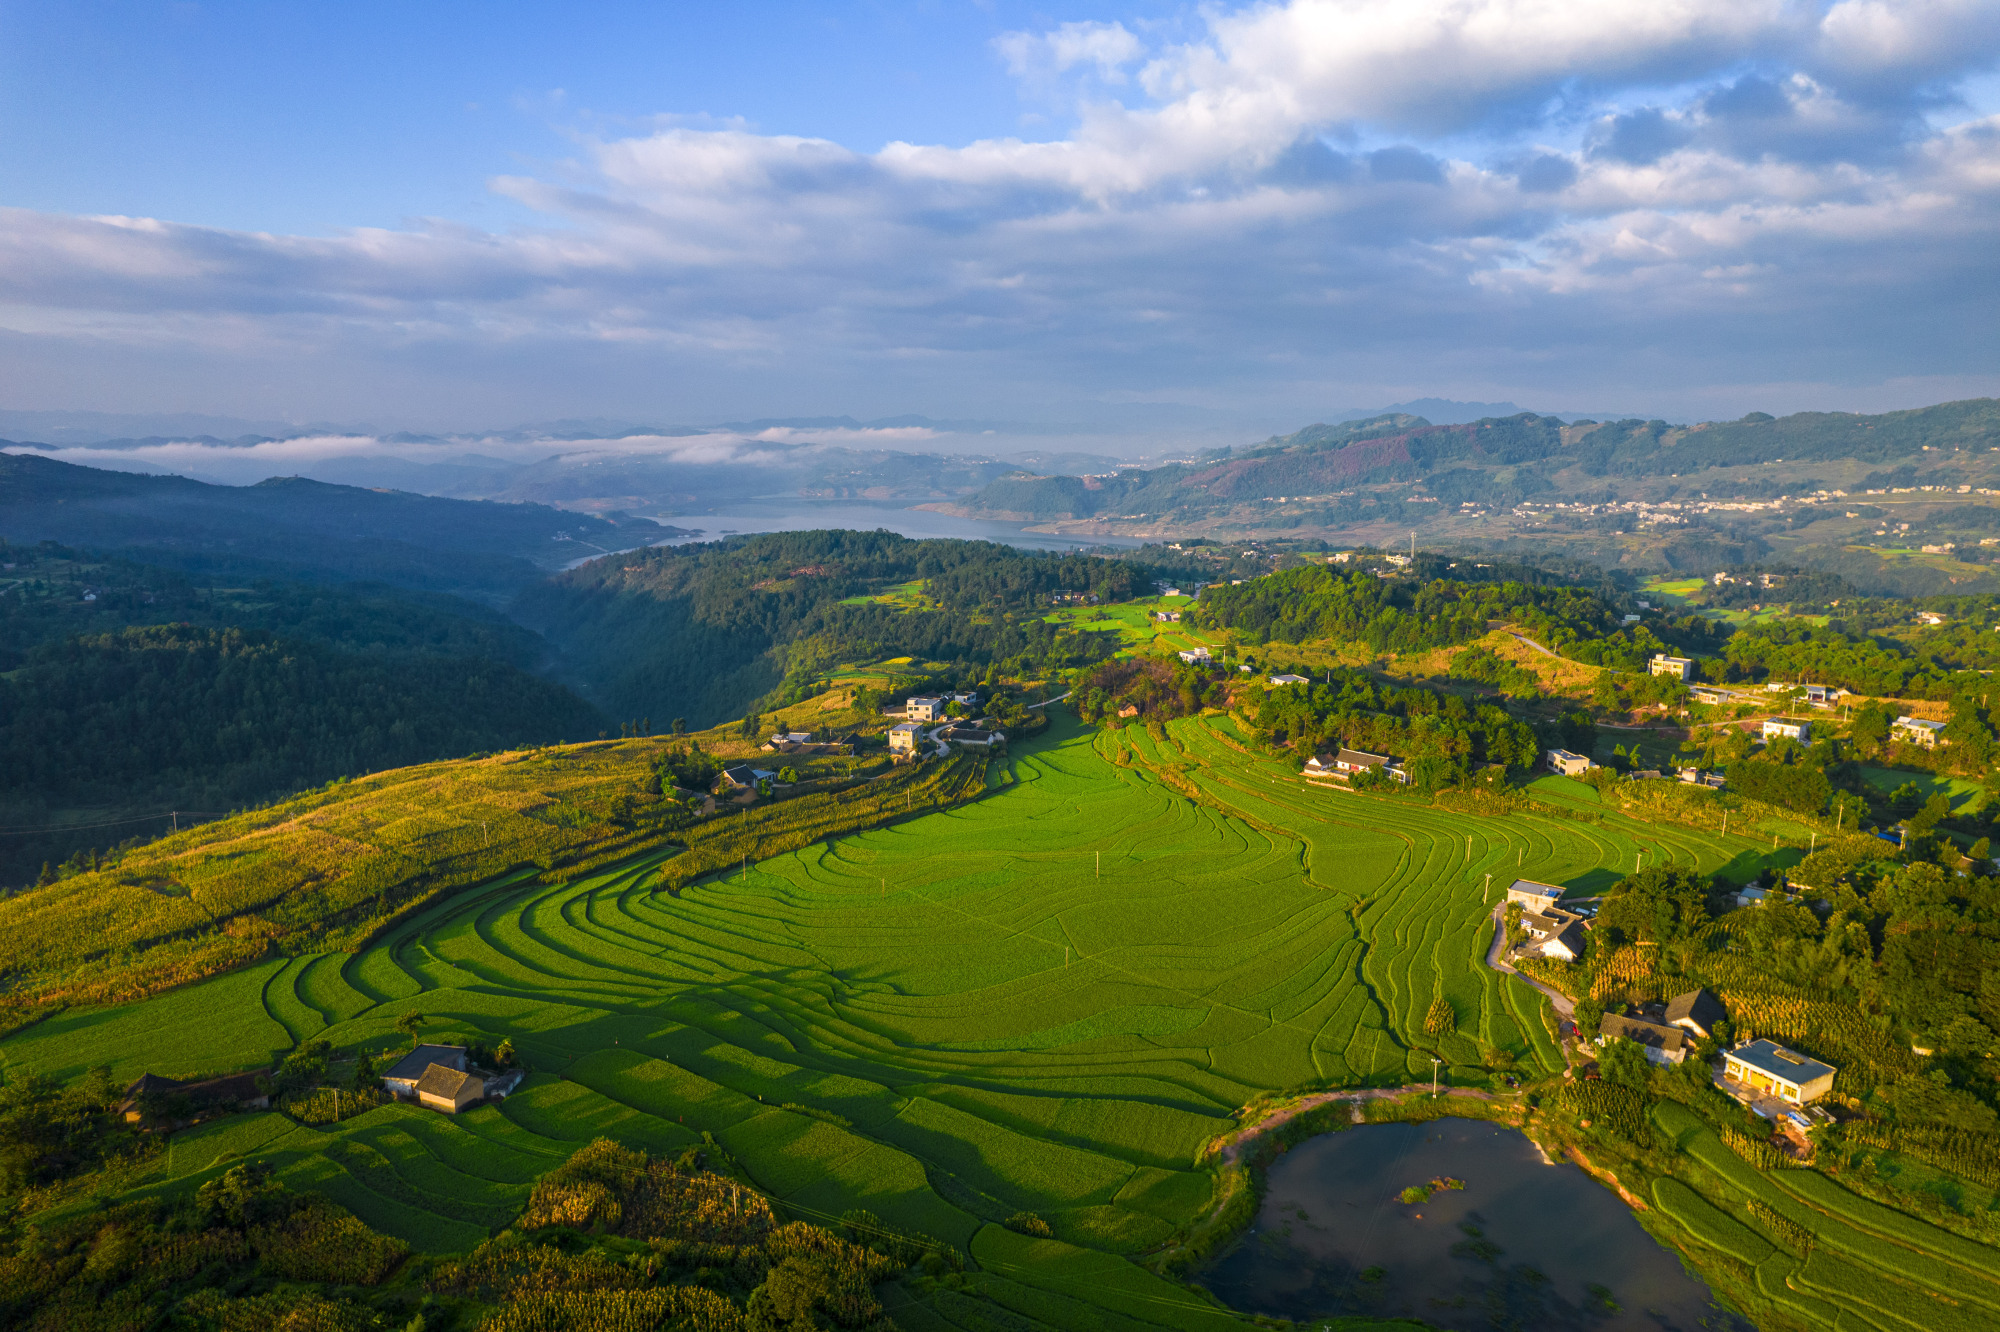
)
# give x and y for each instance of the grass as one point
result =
(1965, 795)
(1047, 999)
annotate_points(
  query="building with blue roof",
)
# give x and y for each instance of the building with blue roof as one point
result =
(1770, 1068)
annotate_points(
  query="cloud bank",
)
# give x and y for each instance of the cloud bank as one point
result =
(1709, 205)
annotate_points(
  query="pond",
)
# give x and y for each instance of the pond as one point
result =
(1522, 1244)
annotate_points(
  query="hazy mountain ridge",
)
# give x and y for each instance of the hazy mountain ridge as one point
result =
(309, 528)
(1504, 459)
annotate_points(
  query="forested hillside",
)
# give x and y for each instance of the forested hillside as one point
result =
(703, 631)
(217, 718)
(130, 691)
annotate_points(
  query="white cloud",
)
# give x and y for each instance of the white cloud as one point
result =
(1489, 187)
(1108, 47)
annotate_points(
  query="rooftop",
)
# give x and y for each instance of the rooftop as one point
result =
(412, 1065)
(1531, 888)
(439, 1080)
(1767, 1056)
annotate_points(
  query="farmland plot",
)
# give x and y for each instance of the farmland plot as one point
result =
(1045, 1000)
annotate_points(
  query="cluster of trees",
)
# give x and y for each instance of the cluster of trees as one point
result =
(1391, 615)
(1440, 736)
(1156, 690)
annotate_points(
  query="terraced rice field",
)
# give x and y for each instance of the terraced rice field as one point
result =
(1867, 1266)
(1044, 1000)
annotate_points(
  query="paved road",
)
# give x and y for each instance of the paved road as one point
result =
(1565, 1006)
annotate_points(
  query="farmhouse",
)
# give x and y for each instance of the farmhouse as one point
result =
(1288, 679)
(1351, 761)
(1775, 727)
(449, 1089)
(1533, 896)
(968, 699)
(903, 738)
(1168, 616)
(1566, 944)
(1568, 764)
(402, 1079)
(1697, 1011)
(1917, 731)
(1662, 1044)
(787, 742)
(923, 709)
(237, 1091)
(1824, 696)
(1681, 668)
(1196, 656)
(1765, 1065)
(973, 735)
(742, 778)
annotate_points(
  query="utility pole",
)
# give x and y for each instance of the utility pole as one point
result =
(1815, 844)
(1725, 823)
(1065, 957)
(1100, 864)
(1435, 1061)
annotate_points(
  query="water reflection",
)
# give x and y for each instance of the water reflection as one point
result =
(1524, 1244)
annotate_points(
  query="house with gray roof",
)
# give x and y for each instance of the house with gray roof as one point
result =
(403, 1076)
(1696, 1011)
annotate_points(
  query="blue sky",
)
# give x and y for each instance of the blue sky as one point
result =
(455, 215)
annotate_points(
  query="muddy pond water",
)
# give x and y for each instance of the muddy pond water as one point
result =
(1524, 1244)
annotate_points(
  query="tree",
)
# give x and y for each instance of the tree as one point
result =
(788, 775)
(680, 726)
(1587, 1015)
(1440, 1020)
(1658, 905)
(409, 1023)
(1623, 1062)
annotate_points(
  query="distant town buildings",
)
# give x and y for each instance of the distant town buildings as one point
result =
(1196, 656)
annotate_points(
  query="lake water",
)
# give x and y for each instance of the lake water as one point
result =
(1522, 1245)
(920, 523)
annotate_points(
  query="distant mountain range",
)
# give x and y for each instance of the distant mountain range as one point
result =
(1500, 460)
(292, 527)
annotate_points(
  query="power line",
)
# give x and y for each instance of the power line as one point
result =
(114, 823)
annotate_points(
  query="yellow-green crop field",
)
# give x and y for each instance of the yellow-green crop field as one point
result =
(1047, 999)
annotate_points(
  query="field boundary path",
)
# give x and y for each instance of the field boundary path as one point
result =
(1230, 1149)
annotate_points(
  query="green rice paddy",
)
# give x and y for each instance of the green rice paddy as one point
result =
(1045, 1000)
